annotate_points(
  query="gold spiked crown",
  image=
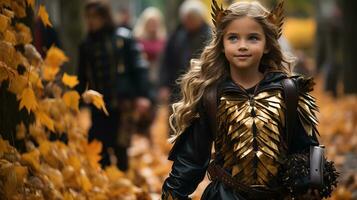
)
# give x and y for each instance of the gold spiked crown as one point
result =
(276, 15)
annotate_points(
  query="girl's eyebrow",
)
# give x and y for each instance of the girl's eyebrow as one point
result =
(251, 34)
(255, 34)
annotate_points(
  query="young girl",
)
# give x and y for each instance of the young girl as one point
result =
(245, 68)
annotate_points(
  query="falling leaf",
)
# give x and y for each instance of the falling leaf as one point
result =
(55, 57)
(4, 22)
(31, 3)
(45, 120)
(42, 13)
(71, 99)
(49, 73)
(94, 97)
(28, 100)
(70, 81)
(93, 150)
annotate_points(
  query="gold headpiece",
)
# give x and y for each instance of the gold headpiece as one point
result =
(276, 15)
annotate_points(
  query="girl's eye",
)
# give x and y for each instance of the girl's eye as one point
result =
(232, 38)
(253, 38)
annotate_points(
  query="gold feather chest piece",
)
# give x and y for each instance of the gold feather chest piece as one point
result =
(249, 135)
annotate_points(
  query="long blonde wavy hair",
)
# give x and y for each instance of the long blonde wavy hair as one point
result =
(213, 66)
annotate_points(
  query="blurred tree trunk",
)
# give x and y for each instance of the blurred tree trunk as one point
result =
(71, 30)
(350, 41)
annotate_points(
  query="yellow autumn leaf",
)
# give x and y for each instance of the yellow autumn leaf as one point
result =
(35, 79)
(70, 81)
(17, 85)
(8, 54)
(49, 73)
(94, 97)
(92, 151)
(8, 13)
(74, 162)
(4, 22)
(4, 146)
(71, 99)
(19, 7)
(31, 3)
(55, 57)
(45, 120)
(6, 73)
(68, 196)
(10, 186)
(21, 172)
(42, 13)
(9, 36)
(28, 100)
(32, 158)
(20, 131)
(23, 33)
(45, 147)
(84, 181)
(114, 173)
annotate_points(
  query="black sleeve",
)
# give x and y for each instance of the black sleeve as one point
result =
(138, 68)
(306, 126)
(302, 141)
(191, 155)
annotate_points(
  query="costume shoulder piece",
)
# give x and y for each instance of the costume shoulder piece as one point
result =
(307, 107)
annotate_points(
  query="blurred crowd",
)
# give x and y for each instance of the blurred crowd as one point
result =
(136, 66)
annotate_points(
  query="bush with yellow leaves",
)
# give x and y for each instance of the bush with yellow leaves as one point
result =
(37, 101)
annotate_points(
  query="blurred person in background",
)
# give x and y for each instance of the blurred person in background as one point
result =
(110, 63)
(185, 43)
(329, 42)
(44, 37)
(150, 32)
(123, 17)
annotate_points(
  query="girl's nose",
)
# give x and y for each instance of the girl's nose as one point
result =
(242, 46)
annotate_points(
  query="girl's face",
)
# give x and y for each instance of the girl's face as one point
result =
(244, 44)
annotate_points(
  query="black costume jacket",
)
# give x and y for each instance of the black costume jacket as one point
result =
(111, 63)
(250, 140)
